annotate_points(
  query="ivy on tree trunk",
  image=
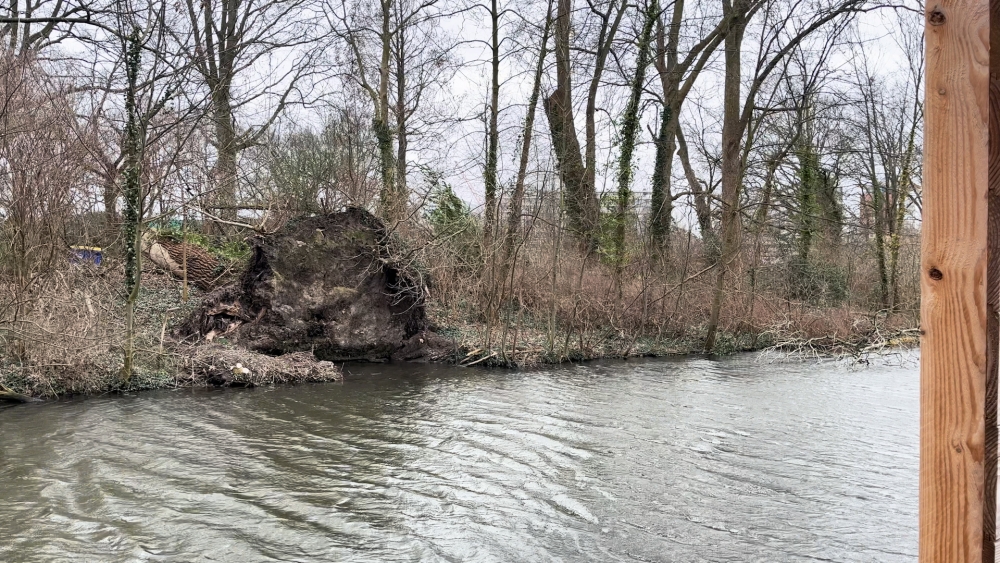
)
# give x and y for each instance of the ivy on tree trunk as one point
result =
(132, 191)
(630, 128)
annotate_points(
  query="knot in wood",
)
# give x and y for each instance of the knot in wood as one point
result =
(936, 16)
(935, 274)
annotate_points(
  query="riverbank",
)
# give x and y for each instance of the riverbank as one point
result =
(291, 305)
(166, 361)
(532, 346)
(75, 346)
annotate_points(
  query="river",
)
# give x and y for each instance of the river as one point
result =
(737, 459)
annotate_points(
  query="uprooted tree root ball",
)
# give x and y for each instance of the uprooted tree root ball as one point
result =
(335, 285)
(322, 289)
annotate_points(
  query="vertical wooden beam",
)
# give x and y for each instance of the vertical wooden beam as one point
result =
(953, 367)
(992, 294)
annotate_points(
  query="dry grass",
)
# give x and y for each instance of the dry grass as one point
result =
(67, 340)
(558, 307)
(58, 336)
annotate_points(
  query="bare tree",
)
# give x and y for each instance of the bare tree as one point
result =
(492, 132)
(323, 170)
(397, 56)
(41, 163)
(514, 210)
(34, 25)
(579, 172)
(889, 125)
(677, 77)
(629, 131)
(148, 88)
(249, 54)
(776, 42)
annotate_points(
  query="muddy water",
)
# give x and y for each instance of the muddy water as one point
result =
(692, 460)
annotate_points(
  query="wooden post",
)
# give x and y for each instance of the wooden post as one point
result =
(992, 295)
(958, 358)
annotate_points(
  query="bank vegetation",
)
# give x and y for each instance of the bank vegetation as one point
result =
(571, 179)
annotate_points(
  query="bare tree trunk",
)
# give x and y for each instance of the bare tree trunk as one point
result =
(132, 223)
(805, 218)
(12, 27)
(578, 174)
(400, 187)
(226, 149)
(492, 138)
(702, 200)
(513, 234)
(878, 213)
(391, 208)
(902, 193)
(676, 80)
(661, 198)
(492, 285)
(224, 122)
(732, 167)
(581, 202)
(610, 22)
(757, 230)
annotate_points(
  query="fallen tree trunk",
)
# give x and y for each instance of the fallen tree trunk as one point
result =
(17, 397)
(202, 269)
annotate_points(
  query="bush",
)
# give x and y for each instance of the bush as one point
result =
(454, 226)
(817, 283)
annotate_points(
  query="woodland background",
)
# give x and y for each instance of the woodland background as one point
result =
(575, 178)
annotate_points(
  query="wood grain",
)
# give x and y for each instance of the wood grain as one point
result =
(953, 311)
(992, 295)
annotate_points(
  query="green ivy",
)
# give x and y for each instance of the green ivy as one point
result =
(453, 223)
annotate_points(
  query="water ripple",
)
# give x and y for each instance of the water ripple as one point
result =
(693, 460)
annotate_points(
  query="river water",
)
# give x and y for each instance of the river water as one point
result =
(737, 459)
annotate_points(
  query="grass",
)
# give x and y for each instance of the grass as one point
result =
(56, 366)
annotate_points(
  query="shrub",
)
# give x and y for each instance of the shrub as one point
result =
(454, 226)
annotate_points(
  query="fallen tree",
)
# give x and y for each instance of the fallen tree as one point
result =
(8, 395)
(183, 260)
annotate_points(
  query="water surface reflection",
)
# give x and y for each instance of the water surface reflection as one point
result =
(686, 460)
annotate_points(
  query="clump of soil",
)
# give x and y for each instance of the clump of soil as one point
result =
(329, 285)
(213, 364)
